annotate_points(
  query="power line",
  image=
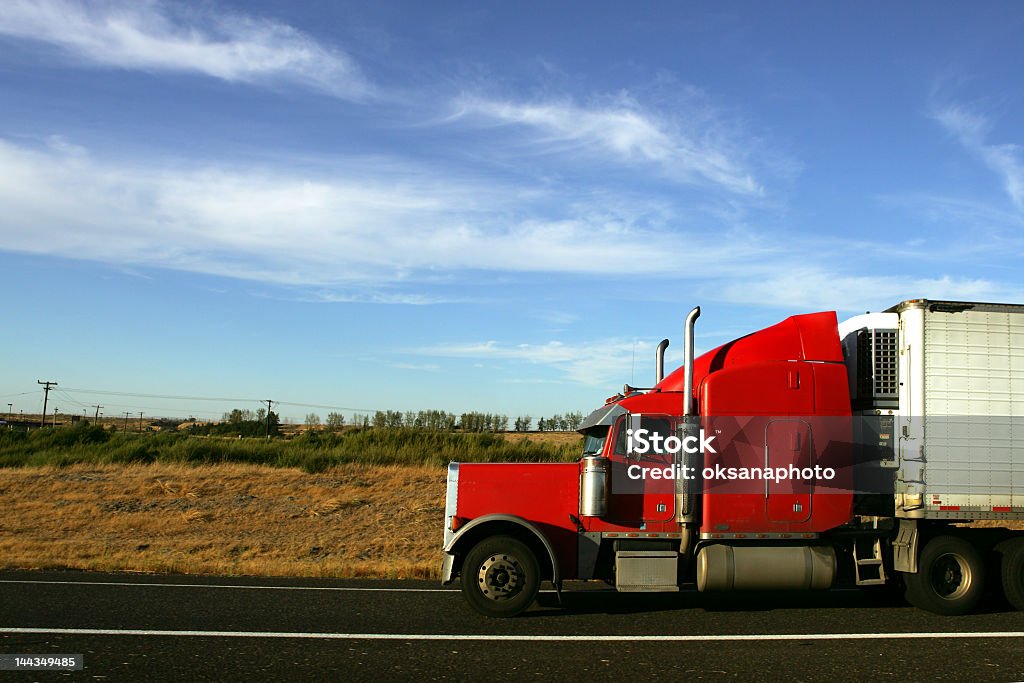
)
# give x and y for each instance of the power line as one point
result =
(119, 408)
(315, 405)
(24, 393)
(173, 397)
(127, 394)
(66, 396)
(163, 396)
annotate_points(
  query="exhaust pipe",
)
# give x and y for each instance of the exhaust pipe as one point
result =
(691, 320)
(659, 359)
(689, 426)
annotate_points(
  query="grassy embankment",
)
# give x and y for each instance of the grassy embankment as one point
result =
(355, 504)
(312, 452)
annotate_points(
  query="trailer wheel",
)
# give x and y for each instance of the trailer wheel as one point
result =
(1013, 573)
(950, 577)
(500, 577)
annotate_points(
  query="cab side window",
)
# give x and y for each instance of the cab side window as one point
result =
(620, 435)
(654, 424)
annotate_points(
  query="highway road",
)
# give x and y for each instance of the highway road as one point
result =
(145, 627)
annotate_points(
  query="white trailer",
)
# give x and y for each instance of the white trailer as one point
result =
(940, 385)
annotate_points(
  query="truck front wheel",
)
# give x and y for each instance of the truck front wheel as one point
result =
(950, 577)
(500, 577)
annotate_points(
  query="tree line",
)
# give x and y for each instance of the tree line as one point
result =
(241, 422)
(244, 422)
(255, 423)
(440, 420)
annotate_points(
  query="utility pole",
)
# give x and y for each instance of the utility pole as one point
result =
(98, 412)
(55, 416)
(140, 422)
(10, 411)
(269, 404)
(46, 397)
(126, 421)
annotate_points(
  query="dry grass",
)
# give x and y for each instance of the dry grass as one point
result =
(350, 521)
(996, 524)
(572, 439)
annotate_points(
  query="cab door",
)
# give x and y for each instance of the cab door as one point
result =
(637, 499)
(788, 443)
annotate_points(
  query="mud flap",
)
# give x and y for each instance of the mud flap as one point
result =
(904, 548)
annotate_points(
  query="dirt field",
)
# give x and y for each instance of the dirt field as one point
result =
(227, 519)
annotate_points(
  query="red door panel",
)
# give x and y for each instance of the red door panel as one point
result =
(639, 500)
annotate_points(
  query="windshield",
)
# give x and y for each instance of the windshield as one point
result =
(593, 440)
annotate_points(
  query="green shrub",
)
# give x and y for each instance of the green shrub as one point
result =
(314, 451)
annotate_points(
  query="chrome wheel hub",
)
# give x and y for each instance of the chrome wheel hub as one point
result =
(951, 576)
(500, 577)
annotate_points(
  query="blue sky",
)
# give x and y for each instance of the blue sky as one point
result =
(480, 206)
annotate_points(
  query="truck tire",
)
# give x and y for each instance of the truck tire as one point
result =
(1012, 571)
(950, 577)
(500, 577)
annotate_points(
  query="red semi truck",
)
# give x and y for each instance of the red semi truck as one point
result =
(806, 455)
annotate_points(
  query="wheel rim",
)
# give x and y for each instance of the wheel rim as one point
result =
(501, 577)
(951, 576)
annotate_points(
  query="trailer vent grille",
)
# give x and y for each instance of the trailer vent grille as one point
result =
(876, 364)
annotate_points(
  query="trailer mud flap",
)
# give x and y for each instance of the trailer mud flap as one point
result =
(904, 548)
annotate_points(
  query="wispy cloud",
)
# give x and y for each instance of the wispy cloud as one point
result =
(418, 367)
(813, 288)
(960, 229)
(375, 221)
(972, 130)
(158, 36)
(380, 230)
(593, 363)
(357, 295)
(556, 318)
(627, 132)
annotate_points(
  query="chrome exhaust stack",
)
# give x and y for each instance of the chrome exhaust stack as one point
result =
(659, 361)
(688, 426)
(691, 320)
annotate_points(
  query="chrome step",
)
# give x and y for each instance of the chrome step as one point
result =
(639, 571)
(870, 571)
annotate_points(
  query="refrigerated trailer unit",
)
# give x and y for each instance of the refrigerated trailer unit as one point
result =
(960, 371)
(901, 426)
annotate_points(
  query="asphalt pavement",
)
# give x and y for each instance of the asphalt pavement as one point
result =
(146, 627)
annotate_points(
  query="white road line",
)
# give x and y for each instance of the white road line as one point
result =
(506, 637)
(211, 585)
(302, 588)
